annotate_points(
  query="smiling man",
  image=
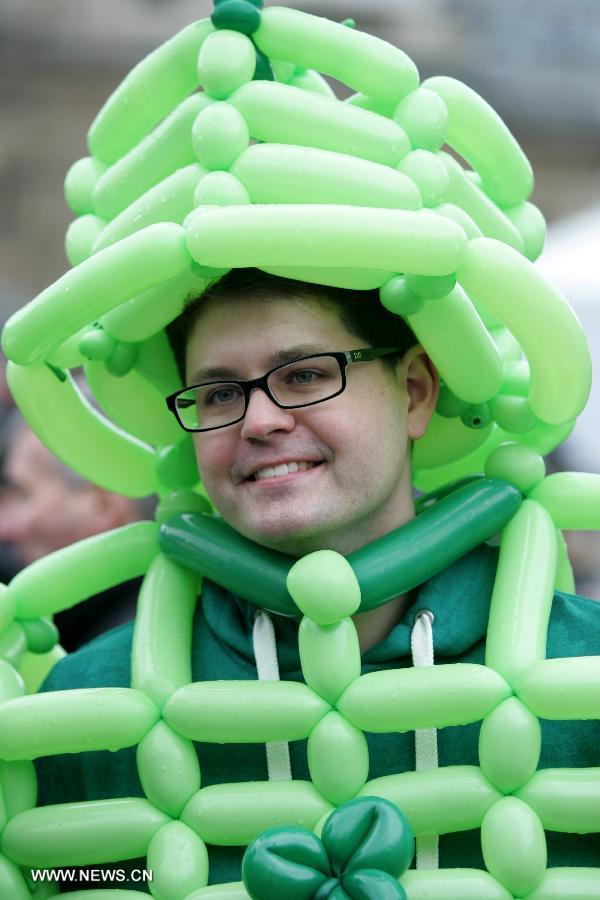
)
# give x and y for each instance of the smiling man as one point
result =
(303, 415)
(303, 403)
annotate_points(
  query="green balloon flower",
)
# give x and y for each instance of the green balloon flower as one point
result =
(366, 845)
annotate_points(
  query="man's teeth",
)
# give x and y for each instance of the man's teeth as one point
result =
(283, 469)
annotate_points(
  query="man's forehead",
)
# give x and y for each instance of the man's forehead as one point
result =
(266, 332)
(268, 360)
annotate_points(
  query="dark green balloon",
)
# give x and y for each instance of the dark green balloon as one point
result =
(369, 833)
(392, 565)
(288, 863)
(237, 15)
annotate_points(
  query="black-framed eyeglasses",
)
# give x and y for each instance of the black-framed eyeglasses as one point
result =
(301, 382)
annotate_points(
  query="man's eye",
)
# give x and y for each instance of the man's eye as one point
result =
(304, 376)
(221, 396)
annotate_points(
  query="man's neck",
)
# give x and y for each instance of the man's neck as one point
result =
(374, 625)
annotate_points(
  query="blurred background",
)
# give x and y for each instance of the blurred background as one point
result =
(535, 61)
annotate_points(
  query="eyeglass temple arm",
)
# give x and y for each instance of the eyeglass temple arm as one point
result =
(369, 353)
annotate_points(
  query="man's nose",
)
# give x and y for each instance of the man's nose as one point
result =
(263, 417)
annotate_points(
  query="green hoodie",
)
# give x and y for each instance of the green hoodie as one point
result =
(459, 598)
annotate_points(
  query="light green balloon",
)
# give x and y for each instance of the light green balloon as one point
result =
(318, 646)
(309, 80)
(12, 882)
(353, 279)
(239, 712)
(11, 683)
(219, 135)
(572, 499)
(372, 104)
(566, 800)
(168, 785)
(227, 61)
(338, 758)
(462, 218)
(424, 116)
(439, 801)
(158, 155)
(447, 441)
(171, 200)
(148, 93)
(428, 173)
(466, 195)
(573, 882)
(233, 890)
(565, 579)
(80, 436)
(523, 592)
(363, 62)
(531, 225)
(326, 235)
(514, 845)
(510, 742)
(81, 236)
(452, 884)
(562, 689)
(19, 786)
(283, 114)
(522, 466)
(83, 833)
(67, 576)
(540, 319)
(431, 697)
(80, 182)
(279, 173)
(97, 285)
(459, 344)
(478, 133)
(162, 641)
(398, 297)
(178, 859)
(13, 644)
(74, 721)
(324, 587)
(133, 404)
(231, 815)
(220, 189)
(513, 414)
(143, 316)
(7, 608)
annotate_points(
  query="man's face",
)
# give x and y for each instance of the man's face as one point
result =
(356, 486)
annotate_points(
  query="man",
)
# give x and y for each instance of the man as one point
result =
(331, 474)
(45, 506)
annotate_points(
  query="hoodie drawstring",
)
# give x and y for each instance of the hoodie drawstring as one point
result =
(426, 749)
(265, 654)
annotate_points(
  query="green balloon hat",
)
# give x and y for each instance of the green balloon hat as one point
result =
(227, 148)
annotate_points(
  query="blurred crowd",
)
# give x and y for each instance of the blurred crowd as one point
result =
(45, 506)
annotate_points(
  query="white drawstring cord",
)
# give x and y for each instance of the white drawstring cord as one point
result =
(426, 749)
(265, 654)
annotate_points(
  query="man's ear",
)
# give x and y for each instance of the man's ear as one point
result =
(422, 384)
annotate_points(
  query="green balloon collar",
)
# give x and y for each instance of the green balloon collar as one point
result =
(385, 568)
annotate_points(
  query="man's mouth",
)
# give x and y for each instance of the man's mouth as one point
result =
(282, 469)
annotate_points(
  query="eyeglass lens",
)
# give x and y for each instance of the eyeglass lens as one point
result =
(299, 383)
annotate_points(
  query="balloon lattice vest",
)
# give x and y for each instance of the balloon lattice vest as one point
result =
(227, 148)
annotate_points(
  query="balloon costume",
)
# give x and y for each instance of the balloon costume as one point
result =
(227, 148)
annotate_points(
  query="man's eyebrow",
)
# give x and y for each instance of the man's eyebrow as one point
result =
(279, 358)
